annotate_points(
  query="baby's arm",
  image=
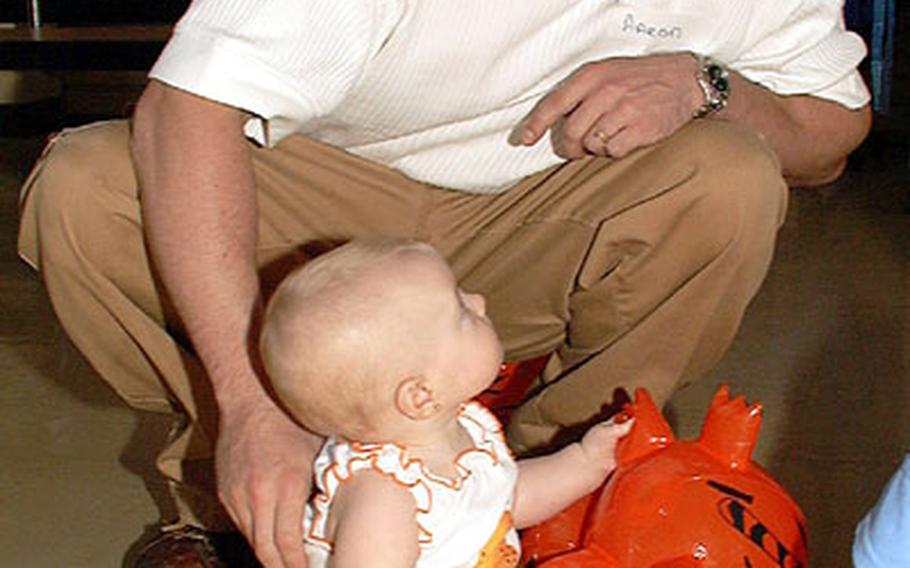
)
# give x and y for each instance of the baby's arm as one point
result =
(375, 524)
(549, 484)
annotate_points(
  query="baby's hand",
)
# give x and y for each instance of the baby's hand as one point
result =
(599, 443)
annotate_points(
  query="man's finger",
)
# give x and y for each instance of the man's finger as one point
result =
(263, 531)
(241, 516)
(596, 142)
(550, 109)
(578, 124)
(289, 526)
(597, 108)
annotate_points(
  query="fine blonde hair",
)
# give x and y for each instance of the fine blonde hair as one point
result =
(322, 350)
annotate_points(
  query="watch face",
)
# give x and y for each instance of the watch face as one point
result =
(718, 77)
(714, 80)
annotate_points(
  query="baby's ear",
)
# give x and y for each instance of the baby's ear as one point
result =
(414, 398)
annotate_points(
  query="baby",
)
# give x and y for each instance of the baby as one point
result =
(376, 347)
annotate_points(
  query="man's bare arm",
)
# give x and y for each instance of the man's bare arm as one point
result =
(200, 220)
(199, 214)
(811, 136)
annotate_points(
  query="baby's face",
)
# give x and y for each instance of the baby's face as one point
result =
(447, 325)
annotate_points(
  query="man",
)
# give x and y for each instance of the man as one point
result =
(610, 175)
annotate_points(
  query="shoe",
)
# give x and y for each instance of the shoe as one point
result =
(192, 547)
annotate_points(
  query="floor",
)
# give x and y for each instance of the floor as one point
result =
(822, 346)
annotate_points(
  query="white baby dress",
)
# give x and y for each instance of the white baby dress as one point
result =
(463, 522)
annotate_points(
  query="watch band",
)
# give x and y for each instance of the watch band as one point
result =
(714, 80)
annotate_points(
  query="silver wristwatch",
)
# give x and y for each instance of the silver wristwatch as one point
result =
(714, 81)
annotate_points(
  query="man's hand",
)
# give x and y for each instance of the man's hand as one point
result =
(612, 107)
(264, 466)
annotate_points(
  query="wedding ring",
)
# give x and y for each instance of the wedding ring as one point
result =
(604, 138)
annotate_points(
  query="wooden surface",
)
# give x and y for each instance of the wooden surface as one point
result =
(91, 47)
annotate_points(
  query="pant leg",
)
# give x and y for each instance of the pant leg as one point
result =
(633, 272)
(81, 227)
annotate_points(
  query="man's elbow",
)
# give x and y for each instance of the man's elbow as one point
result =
(854, 126)
(818, 177)
(857, 125)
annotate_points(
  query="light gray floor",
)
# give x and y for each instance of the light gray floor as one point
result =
(822, 347)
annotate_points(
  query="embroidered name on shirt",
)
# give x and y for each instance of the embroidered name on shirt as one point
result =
(632, 26)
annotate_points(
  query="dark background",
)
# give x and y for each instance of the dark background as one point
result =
(96, 12)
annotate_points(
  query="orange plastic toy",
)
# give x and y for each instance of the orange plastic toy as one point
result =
(679, 504)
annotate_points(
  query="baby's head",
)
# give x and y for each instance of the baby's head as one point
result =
(373, 336)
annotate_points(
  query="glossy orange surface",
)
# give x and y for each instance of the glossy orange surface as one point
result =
(680, 503)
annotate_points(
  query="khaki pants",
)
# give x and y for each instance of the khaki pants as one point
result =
(632, 272)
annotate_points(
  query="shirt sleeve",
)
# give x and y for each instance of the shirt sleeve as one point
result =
(283, 61)
(806, 50)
